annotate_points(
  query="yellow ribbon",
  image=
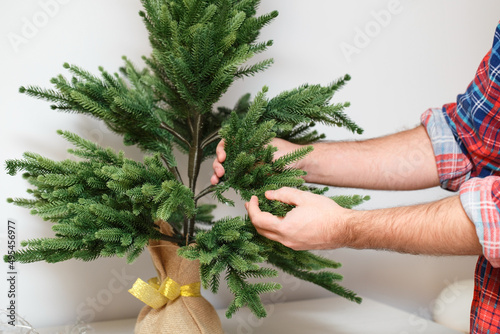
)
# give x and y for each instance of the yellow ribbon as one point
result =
(156, 295)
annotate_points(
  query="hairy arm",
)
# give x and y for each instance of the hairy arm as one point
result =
(316, 222)
(401, 161)
(437, 228)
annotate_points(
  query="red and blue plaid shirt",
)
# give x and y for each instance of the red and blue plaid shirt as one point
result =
(466, 140)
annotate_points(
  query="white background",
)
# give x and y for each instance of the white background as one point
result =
(423, 56)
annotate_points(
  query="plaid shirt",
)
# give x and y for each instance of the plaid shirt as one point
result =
(466, 140)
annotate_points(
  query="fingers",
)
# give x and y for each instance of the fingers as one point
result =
(217, 164)
(256, 215)
(287, 195)
(220, 152)
(214, 179)
(304, 226)
(264, 222)
(218, 172)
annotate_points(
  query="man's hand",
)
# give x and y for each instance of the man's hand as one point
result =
(316, 222)
(283, 146)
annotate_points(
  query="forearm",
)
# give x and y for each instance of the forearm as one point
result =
(438, 228)
(402, 161)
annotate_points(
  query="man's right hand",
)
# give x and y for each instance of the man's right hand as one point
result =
(284, 147)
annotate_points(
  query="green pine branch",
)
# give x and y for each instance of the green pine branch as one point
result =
(233, 246)
(106, 201)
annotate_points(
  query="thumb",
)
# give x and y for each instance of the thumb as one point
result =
(287, 195)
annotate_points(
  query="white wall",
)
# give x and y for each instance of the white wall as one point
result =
(423, 57)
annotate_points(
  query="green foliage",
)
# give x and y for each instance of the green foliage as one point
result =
(297, 111)
(349, 202)
(233, 245)
(104, 205)
(107, 205)
(199, 47)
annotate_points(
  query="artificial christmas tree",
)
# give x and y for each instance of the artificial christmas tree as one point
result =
(105, 204)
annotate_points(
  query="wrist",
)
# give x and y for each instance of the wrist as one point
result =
(340, 230)
(353, 222)
(309, 163)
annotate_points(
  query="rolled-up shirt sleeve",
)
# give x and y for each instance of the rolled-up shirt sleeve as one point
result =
(454, 168)
(480, 196)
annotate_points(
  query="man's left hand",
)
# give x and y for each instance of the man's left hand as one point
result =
(316, 222)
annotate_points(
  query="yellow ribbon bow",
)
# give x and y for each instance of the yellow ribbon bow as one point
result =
(156, 295)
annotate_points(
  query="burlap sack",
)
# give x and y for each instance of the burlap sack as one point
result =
(184, 315)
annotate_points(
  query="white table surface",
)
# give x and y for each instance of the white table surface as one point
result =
(317, 316)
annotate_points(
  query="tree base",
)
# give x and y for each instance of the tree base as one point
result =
(185, 314)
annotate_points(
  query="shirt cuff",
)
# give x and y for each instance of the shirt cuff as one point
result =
(454, 168)
(480, 200)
